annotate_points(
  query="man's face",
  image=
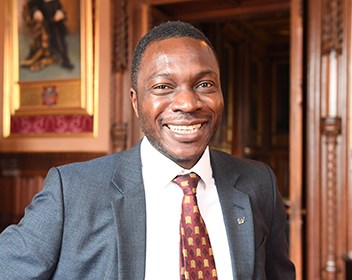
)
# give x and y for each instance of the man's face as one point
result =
(179, 103)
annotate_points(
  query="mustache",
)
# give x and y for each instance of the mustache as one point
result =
(186, 116)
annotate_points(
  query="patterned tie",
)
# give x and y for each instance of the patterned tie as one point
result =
(196, 255)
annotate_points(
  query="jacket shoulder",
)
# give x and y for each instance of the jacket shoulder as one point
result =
(98, 170)
(241, 165)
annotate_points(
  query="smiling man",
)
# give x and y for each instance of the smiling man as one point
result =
(169, 208)
(178, 98)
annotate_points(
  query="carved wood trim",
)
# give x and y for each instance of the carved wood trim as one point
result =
(119, 137)
(332, 26)
(331, 129)
(120, 35)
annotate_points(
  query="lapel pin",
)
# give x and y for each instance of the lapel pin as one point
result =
(241, 220)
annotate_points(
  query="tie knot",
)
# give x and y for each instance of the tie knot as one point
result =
(188, 183)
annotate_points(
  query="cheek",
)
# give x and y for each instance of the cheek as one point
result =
(220, 108)
(216, 105)
(151, 108)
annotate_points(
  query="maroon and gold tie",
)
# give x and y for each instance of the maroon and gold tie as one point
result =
(196, 255)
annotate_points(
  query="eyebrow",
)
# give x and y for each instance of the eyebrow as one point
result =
(198, 75)
(206, 72)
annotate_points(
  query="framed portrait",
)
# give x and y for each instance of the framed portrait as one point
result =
(48, 57)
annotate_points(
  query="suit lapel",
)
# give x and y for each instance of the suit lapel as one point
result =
(238, 218)
(130, 216)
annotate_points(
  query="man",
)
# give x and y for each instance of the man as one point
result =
(117, 217)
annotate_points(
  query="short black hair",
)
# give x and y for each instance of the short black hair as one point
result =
(165, 30)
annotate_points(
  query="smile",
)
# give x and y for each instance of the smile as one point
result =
(184, 129)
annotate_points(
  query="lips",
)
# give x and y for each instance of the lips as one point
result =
(185, 129)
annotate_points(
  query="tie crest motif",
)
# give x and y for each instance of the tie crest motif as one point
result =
(196, 254)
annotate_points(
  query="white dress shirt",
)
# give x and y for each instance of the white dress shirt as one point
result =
(163, 201)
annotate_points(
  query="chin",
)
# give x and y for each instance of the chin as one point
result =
(185, 160)
(186, 163)
(182, 154)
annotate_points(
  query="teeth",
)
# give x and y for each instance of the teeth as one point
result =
(185, 129)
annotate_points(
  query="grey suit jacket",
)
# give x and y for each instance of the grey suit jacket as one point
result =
(89, 222)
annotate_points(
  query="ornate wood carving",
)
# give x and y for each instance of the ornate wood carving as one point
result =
(332, 26)
(330, 128)
(119, 137)
(120, 35)
(331, 50)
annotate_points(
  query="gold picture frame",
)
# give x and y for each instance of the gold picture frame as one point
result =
(27, 94)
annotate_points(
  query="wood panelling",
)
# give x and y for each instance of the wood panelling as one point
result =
(16, 193)
(22, 176)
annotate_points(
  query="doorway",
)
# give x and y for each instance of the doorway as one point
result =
(256, 42)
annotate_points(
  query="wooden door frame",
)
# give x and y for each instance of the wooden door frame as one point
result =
(296, 136)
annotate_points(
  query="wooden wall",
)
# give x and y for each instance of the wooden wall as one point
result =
(22, 176)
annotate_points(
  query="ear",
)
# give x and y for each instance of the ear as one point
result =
(134, 101)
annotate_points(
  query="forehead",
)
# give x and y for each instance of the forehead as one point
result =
(188, 50)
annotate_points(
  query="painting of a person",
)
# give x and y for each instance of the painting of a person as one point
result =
(46, 21)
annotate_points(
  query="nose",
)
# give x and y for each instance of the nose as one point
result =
(186, 100)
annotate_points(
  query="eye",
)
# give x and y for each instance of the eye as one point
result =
(161, 89)
(206, 87)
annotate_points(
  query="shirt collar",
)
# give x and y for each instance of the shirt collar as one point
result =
(155, 164)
